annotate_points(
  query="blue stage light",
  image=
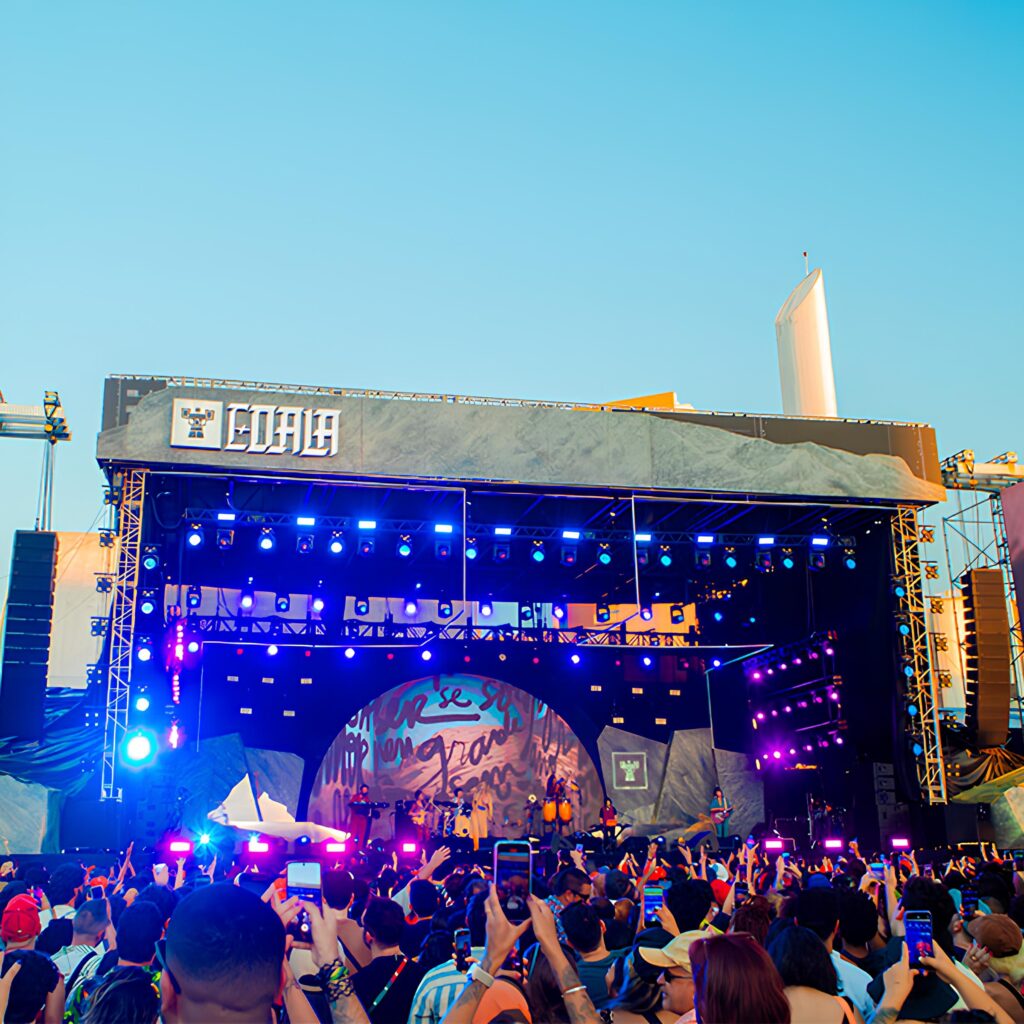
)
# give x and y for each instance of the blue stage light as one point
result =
(350, 652)
(574, 658)
(336, 545)
(411, 606)
(525, 611)
(647, 661)
(568, 554)
(442, 550)
(537, 553)
(267, 541)
(604, 554)
(404, 547)
(730, 560)
(150, 557)
(716, 662)
(486, 609)
(646, 613)
(665, 555)
(204, 839)
(367, 524)
(148, 603)
(850, 558)
(144, 650)
(917, 750)
(426, 655)
(282, 602)
(558, 611)
(194, 538)
(142, 702)
(445, 609)
(272, 650)
(317, 603)
(705, 538)
(367, 546)
(503, 531)
(138, 747)
(788, 561)
(305, 521)
(642, 538)
(471, 549)
(193, 647)
(570, 535)
(765, 542)
(362, 606)
(819, 542)
(194, 596)
(226, 517)
(717, 616)
(247, 598)
(603, 613)
(443, 528)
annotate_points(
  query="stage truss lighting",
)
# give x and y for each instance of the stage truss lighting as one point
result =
(139, 748)
(763, 561)
(225, 538)
(816, 560)
(148, 602)
(537, 552)
(442, 550)
(558, 610)
(404, 546)
(194, 537)
(142, 702)
(445, 608)
(367, 546)
(471, 548)
(677, 614)
(604, 554)
(272, 650)
(194, 596)
(336, 545)
(646, 613)
(266, 541)
(849, 558)
(603, 613)
(702, 558)
(665, 555)
(362, 606)
(150, 557)
(525, 612)
(787, 559)
(568, 554)
(486, 609)
(317, 602)
(412, 606)
(144, 649)
(643, 558)
(730, 559)
(304, 544)
(502, 552)
(247, 598)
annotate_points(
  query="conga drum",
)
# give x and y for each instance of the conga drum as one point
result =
(564, 811)
(549, 811)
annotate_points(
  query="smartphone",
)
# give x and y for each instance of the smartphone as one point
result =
(463, 949)
(929, 871)
(918, 926)
(1018, 860)
(741, 892)
(579, 847)
(968, 902)
(513, 869)
(96, 892)
(653, 900)
(302, 879)
(159, 868)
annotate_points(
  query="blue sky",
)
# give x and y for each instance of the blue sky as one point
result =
(575, 200)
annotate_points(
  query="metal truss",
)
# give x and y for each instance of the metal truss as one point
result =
(478, 530)
(230, 629)
(122, 625)
(916, 669)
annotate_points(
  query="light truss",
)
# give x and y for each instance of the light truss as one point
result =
(919, 686)
(132, 492)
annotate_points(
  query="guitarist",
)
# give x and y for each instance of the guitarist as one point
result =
(720, 811)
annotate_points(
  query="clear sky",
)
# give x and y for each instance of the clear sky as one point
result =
(573, 200)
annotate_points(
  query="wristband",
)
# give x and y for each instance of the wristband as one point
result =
(575, 988)
(477, 973)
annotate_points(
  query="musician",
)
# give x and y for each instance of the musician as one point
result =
(720, 811)
(482, 814)
(360, 815)
(418, 811)
(609, 821)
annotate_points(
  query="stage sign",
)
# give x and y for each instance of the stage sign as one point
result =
(629, 771)
(446, 732)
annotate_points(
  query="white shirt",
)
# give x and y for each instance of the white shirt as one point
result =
(68, 958)
(57, 913)
(853, 982)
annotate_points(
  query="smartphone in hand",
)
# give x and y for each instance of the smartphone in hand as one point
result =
(918, 925)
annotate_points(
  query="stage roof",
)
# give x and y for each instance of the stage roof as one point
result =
(255, 429)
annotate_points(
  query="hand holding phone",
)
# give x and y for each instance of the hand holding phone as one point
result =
(918, 926)
(652, 900)
(302, 879)
(463, 949)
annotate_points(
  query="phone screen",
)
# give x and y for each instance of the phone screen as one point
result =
(463, 949)
(968, 901)
(513, 862)
(741, 891)
(96, 892)
(653, 900)
(303, 880)
(918, 925)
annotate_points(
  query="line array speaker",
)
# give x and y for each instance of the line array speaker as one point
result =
(987, 628)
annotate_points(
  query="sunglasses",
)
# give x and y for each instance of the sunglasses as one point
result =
(161, 959)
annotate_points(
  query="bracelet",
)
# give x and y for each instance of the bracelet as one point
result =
(334, 980)
(575, 988)
(477, 973)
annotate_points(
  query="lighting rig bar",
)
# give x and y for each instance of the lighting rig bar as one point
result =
(788, 651)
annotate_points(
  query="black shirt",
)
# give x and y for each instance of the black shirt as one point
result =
(37, 978)
(371, 980)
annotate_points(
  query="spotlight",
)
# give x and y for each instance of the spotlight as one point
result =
(788, 561)
(665, 555)
(471, 549)
(247, 598)
(899, 589)
(647, 661)
(730, 559)
(445, 609)
(849, 558)
(282, 602)
(362, 606)
(642, 538)
(503, 531)
(257, 845)
(333, 846)
(604, 554)
(763, 561)
(411, 606)
(179, 846)
(486, 609)
(525, 612)
(443, 528)
(336, 545)
(569, 555)
(139, 747)
(537, 552)
(150, 557)
(702, 558)
(304, 544)
(408, 847)
(558, 611)
(603, 613)
(404, 546)
(350, 652)
(677, 613)
(574, 658)
(816, 561)
(193, 647)
(194, 538)
(501, 552)
(426, 655)
(903, 625)
(147, 603)
(367, 546)
(267, 541)
(443, 549)
(367, 524)
(716, 662)
(765, 542)
(317, 603)
(204, 839)
(144, 649)
(142, 702)
(305, 521)
(194, 597)
(225, 538)
(646, 613)
(819, 542)
(272, 650)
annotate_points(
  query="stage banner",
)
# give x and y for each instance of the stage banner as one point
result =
(446, 732)
(1013, 511)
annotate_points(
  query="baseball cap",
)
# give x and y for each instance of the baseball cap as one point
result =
(721, 891)
(675, 954)
(998, 933)
(20, 920)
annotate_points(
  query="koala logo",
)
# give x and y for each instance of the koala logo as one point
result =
(197, 420)
(629, 769)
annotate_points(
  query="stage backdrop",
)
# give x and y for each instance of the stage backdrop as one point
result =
(441, 732)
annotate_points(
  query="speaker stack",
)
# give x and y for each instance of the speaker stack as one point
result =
(988, 656)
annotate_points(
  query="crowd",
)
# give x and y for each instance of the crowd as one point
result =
(737, 938)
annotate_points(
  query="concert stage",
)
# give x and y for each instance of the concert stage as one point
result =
(318, 589)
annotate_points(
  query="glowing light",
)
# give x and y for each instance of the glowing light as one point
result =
(350, 652)
(305, 521)
(642, 538)
(259, 846)
(138, 748)
(575, 659)
(267, 540)
(426, 655)
(486, 609)
(204, 839)
(819, 542)
(193, 647)
(225, 517)
(144, 654)
(834, 844)
(409, 847)
(716, 663)
(765, 542)
(503, 531)
(705, 538)
(647, 661)
(272, 650)
(331, 846)
(570, 535)
(179, 846)
(195, 537)
(411, 607)
(142, 703)
(367, 524)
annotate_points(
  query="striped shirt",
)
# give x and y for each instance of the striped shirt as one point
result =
(438, 990)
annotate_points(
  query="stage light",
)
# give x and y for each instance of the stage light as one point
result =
(141, 702)
(350, 652)
(147, 604)
(426, 655)
(194, 538)
(603, 613)
(503, 531)
(501, 552)
(471, 549)
(899, 590)
(829, 651)
(317, 603)
(305, 521)
(445, 608)
(705, 539)
(247, 598)
(646, 613)
(267, 541)
(404, 546)
(912, 710)
(362, 606)
(665, 555)
(537, 552)
(839, 741)
(332, 846)
(150, 557)
(558, 610)
(568, 555)
(144, 649)
(763, 561)
(765, 542)
(411, 606)
(604, 554)
(816, 561)
(677, 614)
(646, 661)
(139, 747)
(204, 839)
(642, 538)
(226, 517)
(730, 559)
(336, 545)
(643, 558)
(574, 658)
(833, 844)
(716, 662)
(903, 625)
(899, 843)
(788, 561)
(272, 650)
(179, 846)
(777, 754)
(225, 538)
(367, 524)
(257, 845)
(849, 558)
(525, 611)
(774, 844)
(442, 550)
(367, 546)
(819, 542)
(304, 544)
(486, 609)
(194, 596)
(756, 676)
(702, 559)
(282, 602)
(409, 847)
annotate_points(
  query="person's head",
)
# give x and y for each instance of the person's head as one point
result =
(608, 801)
(457, 793)
(634, 982)
(34, 981)
(571, 885)
(801, 958)
(64, 884)
(927, 894)
(476, 919)
(1001, 936)
(418, 797)
(163, 898)
(818, 910)
(19, 925)
(138, 932)
(858, 918)
(617, 885)
(734, 980)
(689, 902)
(754, 918)
(543, 991)
(339, 888)
(364, 789)
(717, 792)
(383, 921)
(583, 927)
(223, 957)
(676, 977)
(991, 888)
(125, 994)
(91, 923)
(423, 897)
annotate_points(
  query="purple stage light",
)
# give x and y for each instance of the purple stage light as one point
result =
(259, 846)
(775, 712)
(798, 661)
(774, 844)
(783, 666)
(180, 846)
(760, 716)
(899, 843)
(833, 695)
(834, 844)
(331, 846)
(839, 741)
(776, 754)
(408, 847)
(813, 655)
(788, 709)
(756, 676)
(829, 651)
